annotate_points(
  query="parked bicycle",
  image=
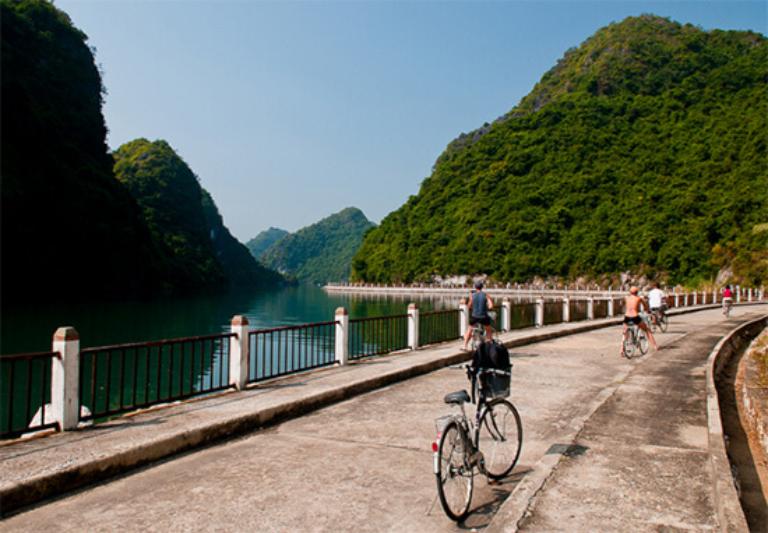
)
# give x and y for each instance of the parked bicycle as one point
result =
(490, 442)
(635, 340)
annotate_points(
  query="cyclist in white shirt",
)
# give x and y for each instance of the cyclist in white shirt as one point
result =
(656, 299)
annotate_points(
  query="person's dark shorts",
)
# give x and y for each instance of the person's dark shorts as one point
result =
(485, 321)
(632, 320)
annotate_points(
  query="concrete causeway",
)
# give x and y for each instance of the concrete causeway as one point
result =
(625, 437)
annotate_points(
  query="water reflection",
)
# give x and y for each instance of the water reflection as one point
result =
(30, 328)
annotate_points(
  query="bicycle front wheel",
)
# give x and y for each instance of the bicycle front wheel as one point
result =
(455, 479)
(500, 438)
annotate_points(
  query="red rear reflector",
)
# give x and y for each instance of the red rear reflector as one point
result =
(434, 446)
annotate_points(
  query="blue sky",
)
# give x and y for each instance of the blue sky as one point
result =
(291, 111)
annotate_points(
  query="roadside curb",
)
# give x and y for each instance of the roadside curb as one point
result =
(513, 510)
(730, 515)
(86, 471)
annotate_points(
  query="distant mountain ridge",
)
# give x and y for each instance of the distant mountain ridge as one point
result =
(321, 252)
(259, 244)
(642, 150)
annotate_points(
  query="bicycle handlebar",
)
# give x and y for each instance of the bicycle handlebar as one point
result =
(465, 366)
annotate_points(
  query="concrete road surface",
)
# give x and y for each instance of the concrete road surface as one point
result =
(366, 464)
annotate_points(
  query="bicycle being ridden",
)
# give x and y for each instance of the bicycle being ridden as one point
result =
(635, 340)
(657, 301)
(633, 304)
(490, 442)
(727, 301)
(480, 305)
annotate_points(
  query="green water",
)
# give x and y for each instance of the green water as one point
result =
(30, 328)
(120, 379)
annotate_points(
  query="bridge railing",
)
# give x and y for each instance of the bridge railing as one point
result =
(125, 377)
(276, 352)
(438, 326)
(25, 390)
(67, 386)
(377, 335)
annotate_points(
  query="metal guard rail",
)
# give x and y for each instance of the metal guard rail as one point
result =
(12, 390)
(377, 335)
(276, 352)
(105, 391)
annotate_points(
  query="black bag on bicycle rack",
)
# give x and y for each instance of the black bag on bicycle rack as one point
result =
(493, 355)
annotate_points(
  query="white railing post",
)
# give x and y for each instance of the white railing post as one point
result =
(238, 352)
(677, 300)
(506, 315)
(65, 375)
(590, 308)
(566, 309)
(413, 326)
(463, 318)
(539, 312)
(342, 336)
(610, 307)
(749, 295)
(695, 297)
(714, 296)
(685, 300)
(738, 294)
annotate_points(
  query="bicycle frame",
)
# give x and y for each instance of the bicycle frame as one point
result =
(470, 429)
(470, 435)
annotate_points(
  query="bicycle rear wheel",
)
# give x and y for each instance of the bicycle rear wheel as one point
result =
(628, 344)
(500, 438)
(455, 479)
(664, 323)
(642, 341)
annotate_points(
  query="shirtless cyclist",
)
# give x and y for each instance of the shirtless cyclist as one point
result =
(632, 305)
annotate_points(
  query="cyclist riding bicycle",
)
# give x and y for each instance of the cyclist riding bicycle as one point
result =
(480, 304)
(633, 304)
(657, 300)
(727, 299)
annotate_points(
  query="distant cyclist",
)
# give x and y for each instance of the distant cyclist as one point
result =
(657, 301)
(632, 304)
(727, 300)
(480, 303)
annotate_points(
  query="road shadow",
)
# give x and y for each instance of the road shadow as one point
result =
(489, 497)
(523, 355)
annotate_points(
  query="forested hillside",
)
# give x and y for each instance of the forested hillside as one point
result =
(68, 227)
(184, 220)
(323, 251)
(642, 150)
(259, 244)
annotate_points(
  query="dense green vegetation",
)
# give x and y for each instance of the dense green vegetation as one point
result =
(170, 198)
(259, 244)
(184, 219)
(323, 251)
(643, 150)
(68, 227)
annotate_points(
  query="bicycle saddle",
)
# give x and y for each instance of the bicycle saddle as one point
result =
(458, 397)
